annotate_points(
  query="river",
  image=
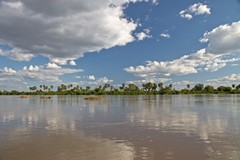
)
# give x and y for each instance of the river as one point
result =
(148, 127)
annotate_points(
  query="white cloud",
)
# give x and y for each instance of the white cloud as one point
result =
(165, 35)
(53, 66)
(33, 68)
(96, 82)
(155, 2)
(194, 10)
(104, 80)
(229, 78)
(46, 73)
(16, 54)
(149, 79)
(224, 81)
(185, 15)
(63, 30)
(182, 84)
(10, 82)
(25, 68)
(142, 35)
(199, 9)
(72, 63)
(187, 64)
(232, 77)
(223, 39)
(7, 71)
(91, 77)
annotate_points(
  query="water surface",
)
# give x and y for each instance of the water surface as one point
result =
(179, 127)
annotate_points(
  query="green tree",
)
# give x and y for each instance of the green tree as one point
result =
(224, 89)
(237, 87)
(34, 88)
(149, 86)
(198, 87)
(132, 87)
(88, 88)
(111, 88)
(41, 86)
(30, 88)
(160, 86)
(45, 88)
(154, 86)
(209, 89)
(122, 87)
(233, 86)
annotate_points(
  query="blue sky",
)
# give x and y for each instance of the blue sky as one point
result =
(119, 41)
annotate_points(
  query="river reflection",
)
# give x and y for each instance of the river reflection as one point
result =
(181, 127)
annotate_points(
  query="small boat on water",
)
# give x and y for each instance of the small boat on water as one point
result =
(93, 98)
(45, 97)
(24, 96)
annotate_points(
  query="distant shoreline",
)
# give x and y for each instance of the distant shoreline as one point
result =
(27, 94)
(130, 89)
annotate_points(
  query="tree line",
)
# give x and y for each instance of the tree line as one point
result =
(125, 89)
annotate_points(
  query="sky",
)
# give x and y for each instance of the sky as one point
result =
(90, 43)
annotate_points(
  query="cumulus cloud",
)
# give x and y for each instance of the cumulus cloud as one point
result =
(33, 68)
(229, 78)
(187, 64)
(185, 15)
(63, 30)
(7, 71)
(149, 79)
(143, 35)
(104, 80)
(95, 82)
(194, 10)
(232, 77)
(16, 54)
(72, 63)
(53, 66)
(223, 39)
(46, 73)
(91, 77)
(165, 35)
(182, 84)
(224, 81)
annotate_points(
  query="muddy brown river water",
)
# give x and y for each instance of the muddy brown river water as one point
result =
(178, 127)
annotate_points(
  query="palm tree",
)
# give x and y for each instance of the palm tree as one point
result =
(111, 88)
(45, 88)
(122, 87)
(160, 85)
(233, 86)
(34, 88)
(63, 87)
(238, 87)
(154, 87)
(88, 88)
